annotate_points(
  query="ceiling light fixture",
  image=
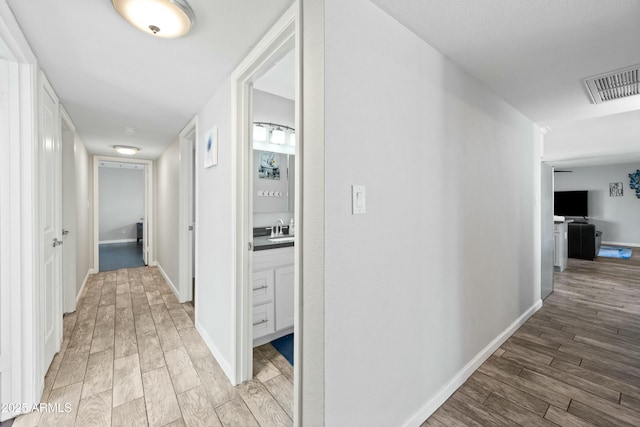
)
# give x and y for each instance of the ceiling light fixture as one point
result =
(126, 150)
(162, 18)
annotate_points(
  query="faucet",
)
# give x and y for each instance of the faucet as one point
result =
(278, 227)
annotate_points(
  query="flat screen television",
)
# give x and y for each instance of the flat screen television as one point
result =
(571, 203)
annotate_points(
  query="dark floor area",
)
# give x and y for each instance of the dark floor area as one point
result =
(114, 256)
(284, 345)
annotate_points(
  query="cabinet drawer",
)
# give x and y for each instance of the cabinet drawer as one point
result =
(262, 287)
(263, 323)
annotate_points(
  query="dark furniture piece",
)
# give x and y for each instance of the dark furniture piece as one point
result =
(584, 241)
(139, 232)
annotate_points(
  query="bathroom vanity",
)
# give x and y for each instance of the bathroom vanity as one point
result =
(273, 290)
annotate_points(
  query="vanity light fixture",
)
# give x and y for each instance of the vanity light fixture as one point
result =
(161, 18)
(278, 136)
(259, 132)
(274, 137)
(126, 150)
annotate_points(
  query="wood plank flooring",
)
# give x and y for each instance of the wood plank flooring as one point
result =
(576, 362)
(131, 356)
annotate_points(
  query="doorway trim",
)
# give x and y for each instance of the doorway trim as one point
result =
(148, 200)
(69, 250)
(187, 195)
(280, 40)
(21, 379)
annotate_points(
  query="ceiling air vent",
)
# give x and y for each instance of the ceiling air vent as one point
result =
(614, 85)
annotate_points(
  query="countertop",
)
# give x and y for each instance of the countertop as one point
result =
(261, 243)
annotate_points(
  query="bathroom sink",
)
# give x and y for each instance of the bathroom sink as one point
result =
(283, 239)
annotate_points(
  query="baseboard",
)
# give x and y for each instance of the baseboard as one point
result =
(84, 283)
(633, 245)
(110, 242)
(448, 389)
(166, 277)
(224, 364)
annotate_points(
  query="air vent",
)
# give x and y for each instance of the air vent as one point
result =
(614, 85)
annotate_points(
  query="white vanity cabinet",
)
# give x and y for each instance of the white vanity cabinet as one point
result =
(273, 301)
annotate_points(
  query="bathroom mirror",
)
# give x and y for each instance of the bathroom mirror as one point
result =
(273, 182)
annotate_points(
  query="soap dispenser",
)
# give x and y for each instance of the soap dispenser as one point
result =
(291, 227)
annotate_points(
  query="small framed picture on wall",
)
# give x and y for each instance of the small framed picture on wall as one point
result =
(211, 147)
(615, 189)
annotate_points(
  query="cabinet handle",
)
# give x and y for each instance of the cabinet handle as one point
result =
(260, 322)
(261, 287)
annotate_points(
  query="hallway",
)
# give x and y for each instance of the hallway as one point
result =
(131, 356)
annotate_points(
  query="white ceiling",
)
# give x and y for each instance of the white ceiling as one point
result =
(535, 54)
(280, 79)
(110, 75)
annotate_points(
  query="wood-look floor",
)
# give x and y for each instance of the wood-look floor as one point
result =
(132, 357)
(576, 362)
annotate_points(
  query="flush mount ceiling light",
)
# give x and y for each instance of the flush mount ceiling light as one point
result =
(126, 150)
(161, 18)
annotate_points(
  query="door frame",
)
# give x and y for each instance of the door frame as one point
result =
(280, 40)
(187, 194)
(148, 208)
(20, 347)
(69, 249)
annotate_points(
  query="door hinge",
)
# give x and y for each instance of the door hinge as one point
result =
(250, 246)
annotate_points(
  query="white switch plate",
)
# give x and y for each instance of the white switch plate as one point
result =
(359, 199)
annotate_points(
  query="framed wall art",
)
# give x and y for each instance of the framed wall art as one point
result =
(211, 147)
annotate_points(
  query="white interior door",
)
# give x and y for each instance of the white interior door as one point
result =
(50, 196)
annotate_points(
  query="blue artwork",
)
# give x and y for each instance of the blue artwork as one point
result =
(634, 182)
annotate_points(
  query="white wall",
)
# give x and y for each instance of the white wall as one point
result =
(167, 170)
(82, 228)
(272, 109)
(121, 203)
(616, 217)
(84, 211)
(444, 260)
(215, 242)
(77, 210)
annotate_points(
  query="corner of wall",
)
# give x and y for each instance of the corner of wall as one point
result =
(463, 374)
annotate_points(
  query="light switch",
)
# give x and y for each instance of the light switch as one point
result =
(359, 200)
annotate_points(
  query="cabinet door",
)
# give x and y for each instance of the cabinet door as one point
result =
(284, 297)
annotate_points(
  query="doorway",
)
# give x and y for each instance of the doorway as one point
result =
(187, 219)
(272, 181)
(272, 49)
(123, 220)
(69, 219)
